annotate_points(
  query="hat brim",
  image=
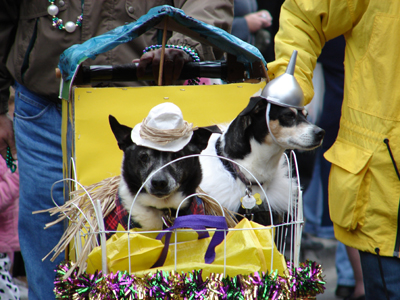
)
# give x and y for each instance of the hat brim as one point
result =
(173, 146)
(279, 103)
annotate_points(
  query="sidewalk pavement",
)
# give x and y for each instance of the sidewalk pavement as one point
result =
(326, 258)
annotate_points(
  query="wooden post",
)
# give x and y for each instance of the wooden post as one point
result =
(164, 41)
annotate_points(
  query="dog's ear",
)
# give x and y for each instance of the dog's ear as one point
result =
(212, 129)
(121, 132)
(202, 135)
(244, 119)
(255, 104)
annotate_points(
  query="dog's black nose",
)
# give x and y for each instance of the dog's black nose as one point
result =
(319, 133)
(159, 184)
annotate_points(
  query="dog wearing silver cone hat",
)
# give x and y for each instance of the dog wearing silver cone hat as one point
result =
(257, 138)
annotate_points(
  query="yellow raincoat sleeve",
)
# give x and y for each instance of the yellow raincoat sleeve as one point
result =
(305, 26)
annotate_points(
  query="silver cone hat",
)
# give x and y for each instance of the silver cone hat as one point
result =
(285, 90)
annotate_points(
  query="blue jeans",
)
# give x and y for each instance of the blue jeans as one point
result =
(373, 283)
(37, 125)
(344, 270)
(313, 198)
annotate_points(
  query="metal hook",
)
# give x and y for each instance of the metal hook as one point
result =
(249, 191)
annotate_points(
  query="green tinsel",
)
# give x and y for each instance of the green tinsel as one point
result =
(302, 282)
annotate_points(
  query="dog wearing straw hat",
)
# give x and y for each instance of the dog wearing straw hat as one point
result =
(148, 189)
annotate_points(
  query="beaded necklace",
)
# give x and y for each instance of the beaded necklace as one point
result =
(10, 161)
(70, 26)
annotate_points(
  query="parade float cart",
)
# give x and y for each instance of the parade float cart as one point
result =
(249, 261)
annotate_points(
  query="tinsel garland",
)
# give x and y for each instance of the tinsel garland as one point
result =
(303, 282)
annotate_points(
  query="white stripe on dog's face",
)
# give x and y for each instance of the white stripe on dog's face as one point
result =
(292, 130)
(162, 183)
(145, 210)
(144, 165)
(302, 136)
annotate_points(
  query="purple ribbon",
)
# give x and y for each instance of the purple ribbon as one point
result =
(199, 224)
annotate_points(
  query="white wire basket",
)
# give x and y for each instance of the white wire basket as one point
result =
(85, 213)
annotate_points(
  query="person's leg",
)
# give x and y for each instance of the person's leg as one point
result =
(344, 271)
(311, 199)
(325, 229)
(372, 267)
(354, 258)
(37, 125)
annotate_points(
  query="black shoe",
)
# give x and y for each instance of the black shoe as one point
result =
(343, 291)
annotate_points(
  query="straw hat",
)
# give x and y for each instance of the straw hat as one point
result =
(163, 129)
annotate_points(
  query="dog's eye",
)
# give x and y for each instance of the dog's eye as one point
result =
(290, 115)
(144, 157)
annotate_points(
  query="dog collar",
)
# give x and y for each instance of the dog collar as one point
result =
(168, 217)
(237, 173)
(196, 208)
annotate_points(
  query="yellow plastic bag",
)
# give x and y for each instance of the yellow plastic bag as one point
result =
(144, 250)
(247, 251)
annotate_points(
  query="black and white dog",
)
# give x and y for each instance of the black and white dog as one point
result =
(248, 142)
(165, 189)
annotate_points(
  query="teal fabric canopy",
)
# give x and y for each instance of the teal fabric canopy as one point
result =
(200, 31)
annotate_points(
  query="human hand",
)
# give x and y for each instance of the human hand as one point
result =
(260, 19)
(7, 136)
(174, 59)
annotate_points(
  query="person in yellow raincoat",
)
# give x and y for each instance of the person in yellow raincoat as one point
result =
(364, 184)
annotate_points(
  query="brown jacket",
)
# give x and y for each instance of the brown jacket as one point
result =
(30, 46)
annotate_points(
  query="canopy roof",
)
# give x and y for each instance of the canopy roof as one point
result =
(178, 21)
